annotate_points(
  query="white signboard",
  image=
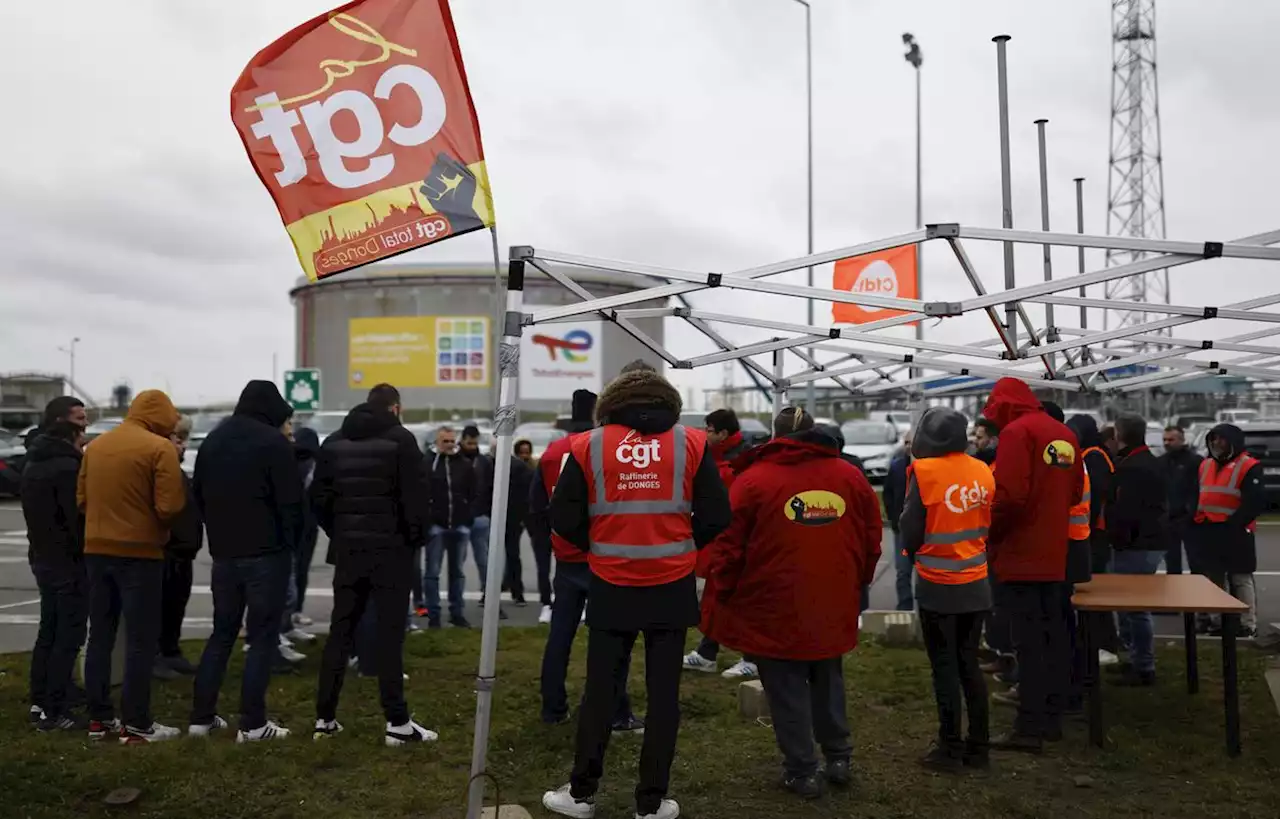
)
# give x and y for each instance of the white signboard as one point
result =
(556, 359)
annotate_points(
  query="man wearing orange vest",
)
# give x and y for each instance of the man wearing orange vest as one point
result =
(572, 581)
(944, 531)
(640, 494)
(1220, 542)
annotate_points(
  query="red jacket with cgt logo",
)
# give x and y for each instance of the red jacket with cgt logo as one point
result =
(1039, 477)
(805, 538)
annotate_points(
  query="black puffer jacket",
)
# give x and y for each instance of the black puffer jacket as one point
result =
(55, 528)
(246, 479)
(367, 492)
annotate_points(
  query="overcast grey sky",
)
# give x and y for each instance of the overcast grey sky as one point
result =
(669, 132)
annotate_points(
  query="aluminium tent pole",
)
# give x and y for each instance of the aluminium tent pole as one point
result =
(779, 388)
(1051, 332)
(1006, 183)
(504, 417)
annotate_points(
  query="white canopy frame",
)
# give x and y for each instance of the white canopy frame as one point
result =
(887, 356)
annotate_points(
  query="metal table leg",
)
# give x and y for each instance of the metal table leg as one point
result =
(1091, 628)
(1230, 683)
(1189, 640)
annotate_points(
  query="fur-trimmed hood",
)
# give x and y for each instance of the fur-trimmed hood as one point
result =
(642, 400)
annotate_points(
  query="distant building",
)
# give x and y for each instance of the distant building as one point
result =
(23, 397)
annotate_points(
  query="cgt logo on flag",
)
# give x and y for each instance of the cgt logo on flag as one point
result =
(573, 346)
(361, 126)
(887, 273)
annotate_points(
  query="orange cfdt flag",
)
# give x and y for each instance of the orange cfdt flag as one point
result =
(886, 273)
(361, 126)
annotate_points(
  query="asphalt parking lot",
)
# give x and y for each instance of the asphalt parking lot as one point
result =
(19, 599)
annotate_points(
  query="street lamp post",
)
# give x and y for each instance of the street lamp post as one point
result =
(916, 59)
(811, 391)
(71, 353)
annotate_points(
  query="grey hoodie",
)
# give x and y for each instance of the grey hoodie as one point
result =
(940, 432)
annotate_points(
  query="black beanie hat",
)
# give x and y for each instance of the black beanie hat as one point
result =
(584, 406)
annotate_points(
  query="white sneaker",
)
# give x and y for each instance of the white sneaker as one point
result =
(1107, 658)
(408, 734)
(290, 653)
(669, 809)
(300, 619)
(324, 730)
(562, 802)
(300, 636)
(741, 670)
(266, 732)
(218, 724)
(545, 616)
(145, 736)
(693, 661)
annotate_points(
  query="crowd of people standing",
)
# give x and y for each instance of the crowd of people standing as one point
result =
(990, 532)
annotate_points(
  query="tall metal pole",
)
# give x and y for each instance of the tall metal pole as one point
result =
(1084, 312)
(1006, 184)
(504, 418)
(779, 391)
(916, 59)
(811, 393)
(71, 354)
(1051, 333)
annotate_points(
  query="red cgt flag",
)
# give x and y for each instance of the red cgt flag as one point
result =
(361, 125)
(886, 273)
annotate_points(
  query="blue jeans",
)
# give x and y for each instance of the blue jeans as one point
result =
(1136, 627)
(903, 566)
(258, 585)
(130, 587)
(571, 585)
(441, 543)
(480, 548)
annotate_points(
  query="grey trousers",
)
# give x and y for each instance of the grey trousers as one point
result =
(806, 700)
(1242, 588)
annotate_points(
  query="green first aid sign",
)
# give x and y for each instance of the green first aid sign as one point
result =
(302, 389)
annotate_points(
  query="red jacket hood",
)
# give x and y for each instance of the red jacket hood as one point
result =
(718, 451)
(789, 450)
(1010, 399)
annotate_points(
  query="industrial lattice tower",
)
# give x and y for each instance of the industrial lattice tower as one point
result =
(1135, 184)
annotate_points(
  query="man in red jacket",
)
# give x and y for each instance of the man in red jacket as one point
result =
(725, 442)
(804, 540)
(1039, 477)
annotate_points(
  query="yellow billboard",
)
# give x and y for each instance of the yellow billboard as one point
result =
(418, 351)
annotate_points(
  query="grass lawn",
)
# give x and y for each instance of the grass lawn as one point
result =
(1168, 760)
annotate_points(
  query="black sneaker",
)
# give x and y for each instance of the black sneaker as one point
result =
(520, 602)
(1015, 741)
(942, 760)
(459, 622)
(66, 722)
(326, 729)
(411, 733)
(181, 665)
(562, 719)
(433, 622)
(35, 715)
(839, 772)
(806, 787)
(631, 725)
(161, 671)
(976, 757)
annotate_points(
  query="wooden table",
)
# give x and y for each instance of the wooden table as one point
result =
(1190, 594)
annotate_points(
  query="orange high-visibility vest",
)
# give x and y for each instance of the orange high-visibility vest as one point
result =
(640, 490)
(1078, 523)
(1111, 467)
(956, 491)
(1220, 488)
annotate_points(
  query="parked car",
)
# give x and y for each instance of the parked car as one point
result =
(874, 442)
(12, 452)
(901, 419)
(100, 426)
(325, 423)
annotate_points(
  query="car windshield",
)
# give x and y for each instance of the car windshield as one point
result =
(541, 437)
(325, 423)
(868, 432)
(900, 417)
(205, 423)
(1263, 444)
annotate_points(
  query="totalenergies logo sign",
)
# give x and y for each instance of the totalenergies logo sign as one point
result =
(361, 126)
(573, 346)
